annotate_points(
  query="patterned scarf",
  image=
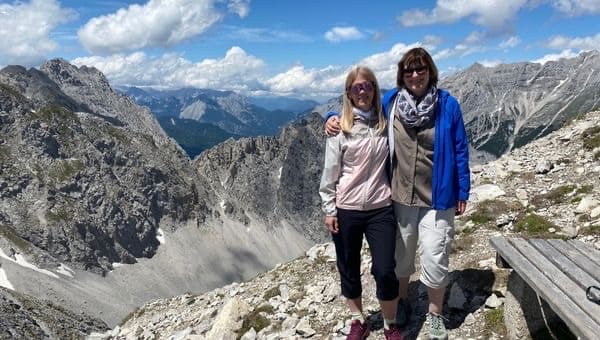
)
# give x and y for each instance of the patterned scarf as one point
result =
(413, 115)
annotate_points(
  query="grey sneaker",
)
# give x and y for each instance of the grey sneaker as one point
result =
(402, 312)
(437, 329)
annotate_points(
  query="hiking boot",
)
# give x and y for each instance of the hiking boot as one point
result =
(402, 312)
(392, 333)
(358, 330)
(437, 329)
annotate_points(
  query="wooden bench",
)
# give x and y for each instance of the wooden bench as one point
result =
(559, 272)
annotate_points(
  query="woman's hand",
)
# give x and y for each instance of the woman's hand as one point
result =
(331, 222)
(461, 206)
(332, 126)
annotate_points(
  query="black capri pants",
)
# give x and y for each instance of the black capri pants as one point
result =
(379, 227)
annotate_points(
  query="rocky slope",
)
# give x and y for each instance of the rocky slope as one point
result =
(270, 179)
(548, 188)
(509, 105)
(25, 317)
(101, 211)
(87, 176)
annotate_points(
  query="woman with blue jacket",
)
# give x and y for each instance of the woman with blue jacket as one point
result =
(430, 177)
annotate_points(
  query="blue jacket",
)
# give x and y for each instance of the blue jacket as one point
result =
(451, 180)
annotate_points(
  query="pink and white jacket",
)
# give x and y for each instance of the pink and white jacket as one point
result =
(354, 175)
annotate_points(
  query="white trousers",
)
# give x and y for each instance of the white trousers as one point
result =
(434, 229)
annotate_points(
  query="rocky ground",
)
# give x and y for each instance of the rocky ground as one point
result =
(547, 189)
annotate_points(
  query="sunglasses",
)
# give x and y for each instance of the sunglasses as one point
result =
(420, 70)
(355, 89)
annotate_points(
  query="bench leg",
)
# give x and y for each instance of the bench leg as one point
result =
(524, 312)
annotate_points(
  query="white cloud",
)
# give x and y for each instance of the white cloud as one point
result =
(577, 7)
(490, 63)
(328, 81)
(236, 71)
(158, 23)
(432, 40)
(491, 14)
(472, 43)
(385, 64)
(25, 30)
(239, 7)
(338, 34)
(584, 43)
(265, 35)
(554, 57)
(511, 42)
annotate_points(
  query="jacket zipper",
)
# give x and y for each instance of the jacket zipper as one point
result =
(370, 167)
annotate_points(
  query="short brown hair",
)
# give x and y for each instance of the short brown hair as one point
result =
(417, 56)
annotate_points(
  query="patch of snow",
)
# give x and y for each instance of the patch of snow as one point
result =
(23, 262)
(279, 175)
(65, 270)
(20, 260)
(222, 204)
(117, 264)
(172, 121)
(160, 236)
(4, 280)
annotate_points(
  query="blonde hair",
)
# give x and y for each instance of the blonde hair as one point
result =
(347, 119)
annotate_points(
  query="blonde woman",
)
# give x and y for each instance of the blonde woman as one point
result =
(356, 196)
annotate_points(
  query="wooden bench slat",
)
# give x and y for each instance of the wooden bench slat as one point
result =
(517, 253)
(585, 260)
(555, 274)
(568, 260)
(587, 250)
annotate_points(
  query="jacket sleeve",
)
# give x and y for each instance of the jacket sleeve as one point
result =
(331, 174)
(461, 147)
(329, 115)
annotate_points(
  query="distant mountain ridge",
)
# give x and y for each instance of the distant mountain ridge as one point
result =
(507, 106)
(232, 114)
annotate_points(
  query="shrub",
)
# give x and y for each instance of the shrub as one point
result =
(66, 169)
(256, 320)
(591, 230)
(271, 292)
(494, 321)
(585, 189)
(11, 235)
(58, 215)
(487, 211)
(533, 225)
(591, 138)
(554, 196)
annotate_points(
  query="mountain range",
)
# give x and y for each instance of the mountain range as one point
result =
(200, 118)
(101, 210)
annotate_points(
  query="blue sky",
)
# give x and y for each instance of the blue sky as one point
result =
(280, 47)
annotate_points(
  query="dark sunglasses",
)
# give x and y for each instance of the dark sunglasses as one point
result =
(420, 70)
(356, 88)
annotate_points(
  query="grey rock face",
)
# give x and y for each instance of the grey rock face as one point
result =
(271, 179)
(25, 317)
(86, 175)
(507, 106)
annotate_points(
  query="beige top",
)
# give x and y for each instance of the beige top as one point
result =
(354, 175)
(413, 164)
